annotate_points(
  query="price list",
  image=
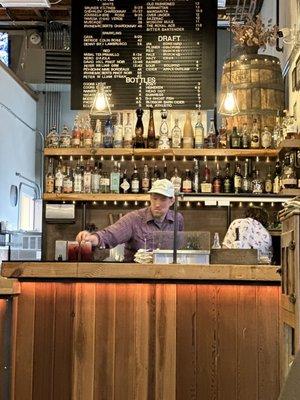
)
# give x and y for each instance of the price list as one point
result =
(147, 53)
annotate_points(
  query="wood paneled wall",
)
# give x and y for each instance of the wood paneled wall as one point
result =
(127, 341)
(4, 347)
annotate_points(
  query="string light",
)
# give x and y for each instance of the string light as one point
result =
(115, 202)
(153, 158)
(101, 158)
(251, 204)
(71, 158)
(261, 204)
(64, 202)
(122, 159)
(188, 204)
(60, 157)
(125, 204)
(240, 204)
(74, 202)
(132, 158)
(143, 158)
(205, 159)
(226, 159)
(94, 203)
(163, 158)
(146, 203)
(198, 204)
(184, 159)
(216, 159)
(257, 159)
(112, 158)
(268, 159)
(272, 204)
(174, 158)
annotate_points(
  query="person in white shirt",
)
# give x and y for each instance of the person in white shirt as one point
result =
(252, 232)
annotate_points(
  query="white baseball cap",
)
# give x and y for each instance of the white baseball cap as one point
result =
(163, 187)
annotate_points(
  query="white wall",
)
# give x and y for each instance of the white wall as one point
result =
(17, 149)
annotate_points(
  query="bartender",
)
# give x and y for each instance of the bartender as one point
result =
(136, 228)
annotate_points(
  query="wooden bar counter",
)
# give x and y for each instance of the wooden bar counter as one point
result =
(96, 331)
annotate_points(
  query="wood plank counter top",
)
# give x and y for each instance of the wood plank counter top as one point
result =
(61, 270)
(9, 286)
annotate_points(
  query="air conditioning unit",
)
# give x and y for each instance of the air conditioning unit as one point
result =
(25, 4)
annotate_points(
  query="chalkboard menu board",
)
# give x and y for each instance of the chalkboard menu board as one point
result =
(147, 53)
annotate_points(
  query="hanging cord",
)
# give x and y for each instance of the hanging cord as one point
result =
(230, 46)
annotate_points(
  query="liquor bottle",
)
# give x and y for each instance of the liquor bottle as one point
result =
(277, 178)
(196, 177)
(257, 184)
(151, 140)
(289, 177)
(211, 137)
(52, 138)
(98, 136)
(223, 140)
(128, 132)
(135, 181)
(277, 132)
(268, 182)
(188, 134)
(139, 142)
(255, 136)
(77, 175)
(108, 133)
(59, 176)
(76, 133)
(227, 180)
(266, 138)
(176, 135)
(67, 182)
(125, 184)
(216, 243)
(115, 179)
(246, 183)
(88, 133)
(50, 178)
(235, 139)
(176, 180)
(206, 186)
(187, 182)
(156, 175)
(81, 130)
(237, 243)
(104, 182)
(245, 137)
(164, 141)
(87, 178)
(217, 183)
(237, 179)
(96, 179)
(65, 137)
(118, 132)
(199, 133)
(145, 179)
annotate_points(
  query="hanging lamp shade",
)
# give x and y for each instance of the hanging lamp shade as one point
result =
(229, 104)
(101, 104)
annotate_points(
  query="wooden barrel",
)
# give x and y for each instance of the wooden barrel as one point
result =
(258, 85)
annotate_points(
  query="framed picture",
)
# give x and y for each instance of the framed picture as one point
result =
(294, 79)
(298, 74)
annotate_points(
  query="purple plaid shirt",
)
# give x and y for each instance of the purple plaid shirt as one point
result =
(134, 228)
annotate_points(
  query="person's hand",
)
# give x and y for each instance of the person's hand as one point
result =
(85, 236)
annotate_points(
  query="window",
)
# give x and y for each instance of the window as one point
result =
(4, 53)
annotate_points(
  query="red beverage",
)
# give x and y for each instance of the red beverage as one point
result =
(86, 251)
(73, 251)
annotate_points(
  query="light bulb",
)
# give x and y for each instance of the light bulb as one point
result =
(100, 102)
(229, 102)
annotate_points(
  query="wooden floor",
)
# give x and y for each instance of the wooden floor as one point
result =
(129, 341)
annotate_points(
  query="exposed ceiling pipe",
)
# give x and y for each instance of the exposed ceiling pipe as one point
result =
(278, 48)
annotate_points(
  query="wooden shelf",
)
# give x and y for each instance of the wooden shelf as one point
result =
(208, 198)
(290, 192)
(160, 153)
(95, 197)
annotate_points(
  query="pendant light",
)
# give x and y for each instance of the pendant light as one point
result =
(229, 105)
(100, 104)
